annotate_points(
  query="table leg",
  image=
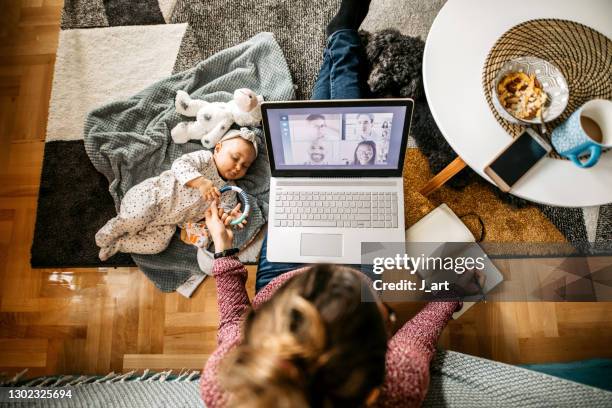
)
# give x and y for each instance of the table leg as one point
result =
(442, 177)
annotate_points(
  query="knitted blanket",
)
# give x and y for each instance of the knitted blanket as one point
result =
(457, 380)
(461, 380)
(129, 140)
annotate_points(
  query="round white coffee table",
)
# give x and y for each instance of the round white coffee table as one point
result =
(459, 40)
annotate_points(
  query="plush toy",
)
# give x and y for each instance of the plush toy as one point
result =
(246, 107)
(213, 119)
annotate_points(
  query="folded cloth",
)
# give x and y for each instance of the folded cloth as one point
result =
(129, 140)
(195, 233)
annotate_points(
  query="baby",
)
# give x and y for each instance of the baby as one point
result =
(152, 209)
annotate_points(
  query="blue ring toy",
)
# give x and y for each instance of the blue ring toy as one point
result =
(245, 202)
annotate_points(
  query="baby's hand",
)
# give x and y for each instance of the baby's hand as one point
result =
(207, 188)
(209, 191)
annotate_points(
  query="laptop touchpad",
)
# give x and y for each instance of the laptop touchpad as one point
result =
(321, 245)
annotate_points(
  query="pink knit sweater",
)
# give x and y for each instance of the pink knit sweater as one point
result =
(409, 352)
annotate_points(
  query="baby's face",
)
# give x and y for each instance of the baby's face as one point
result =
(233, 158)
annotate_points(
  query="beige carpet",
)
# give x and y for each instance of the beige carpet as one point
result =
(95, 66)
(502, 222)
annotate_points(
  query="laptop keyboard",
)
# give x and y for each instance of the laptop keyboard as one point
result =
(336, 209)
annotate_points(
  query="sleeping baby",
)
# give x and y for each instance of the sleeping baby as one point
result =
(152, 209)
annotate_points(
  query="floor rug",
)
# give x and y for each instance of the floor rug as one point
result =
(457, 380)
(112, 48)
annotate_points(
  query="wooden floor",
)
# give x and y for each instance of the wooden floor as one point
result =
(95, 320)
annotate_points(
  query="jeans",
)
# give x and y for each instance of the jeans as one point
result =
(343, 72)
(342, 76)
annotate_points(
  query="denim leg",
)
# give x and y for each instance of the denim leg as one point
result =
(348, 73)
(321, 90)
(342, 75)
(266, 270)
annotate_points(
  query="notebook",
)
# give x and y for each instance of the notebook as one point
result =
(442, 225)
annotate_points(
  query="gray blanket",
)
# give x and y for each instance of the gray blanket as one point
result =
(457, 380)
(129, 140)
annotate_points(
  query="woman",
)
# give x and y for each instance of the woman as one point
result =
(365, 153)
(308, 340)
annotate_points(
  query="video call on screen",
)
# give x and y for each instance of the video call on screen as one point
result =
(330, 138)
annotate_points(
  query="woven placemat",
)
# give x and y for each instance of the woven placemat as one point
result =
(583, 55)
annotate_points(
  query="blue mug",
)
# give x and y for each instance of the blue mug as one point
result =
(585, 133)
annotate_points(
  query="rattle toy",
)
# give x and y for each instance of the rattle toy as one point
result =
(246, 207)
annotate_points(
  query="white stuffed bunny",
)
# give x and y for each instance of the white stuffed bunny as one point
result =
(246, 107)
(213, 119)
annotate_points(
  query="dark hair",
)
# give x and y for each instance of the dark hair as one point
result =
(315, 343)
(369, 115)
(385, 124)
(370, 143)
(314, 116)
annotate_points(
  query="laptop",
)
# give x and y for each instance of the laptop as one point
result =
(336, 177)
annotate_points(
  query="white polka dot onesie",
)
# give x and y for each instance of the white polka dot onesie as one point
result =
(152, 209)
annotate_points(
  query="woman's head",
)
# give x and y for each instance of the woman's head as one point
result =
(315, 343)
(365, 153)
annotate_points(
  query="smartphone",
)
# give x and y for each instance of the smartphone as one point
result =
(517, 159)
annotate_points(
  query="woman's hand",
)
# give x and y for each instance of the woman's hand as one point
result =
(470, 283)
(218, 224)
(207, 189)
(467, 286)
(235, 213)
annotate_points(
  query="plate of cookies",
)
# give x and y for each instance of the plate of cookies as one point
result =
(529, 90)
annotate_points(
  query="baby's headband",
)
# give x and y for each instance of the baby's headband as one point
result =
(244, 133)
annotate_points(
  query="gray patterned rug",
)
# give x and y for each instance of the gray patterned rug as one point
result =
(111, 49)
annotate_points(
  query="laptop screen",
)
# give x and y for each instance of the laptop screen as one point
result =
(357, 138)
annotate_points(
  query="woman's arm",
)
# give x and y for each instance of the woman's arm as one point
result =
(409, 355)
(232, 299)
(230, 274)
(230, 277)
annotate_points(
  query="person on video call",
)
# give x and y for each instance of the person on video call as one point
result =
(365, 153)
(308, 339)
(365, 127)
(319, 124)
(385, 134)
(316, 152)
